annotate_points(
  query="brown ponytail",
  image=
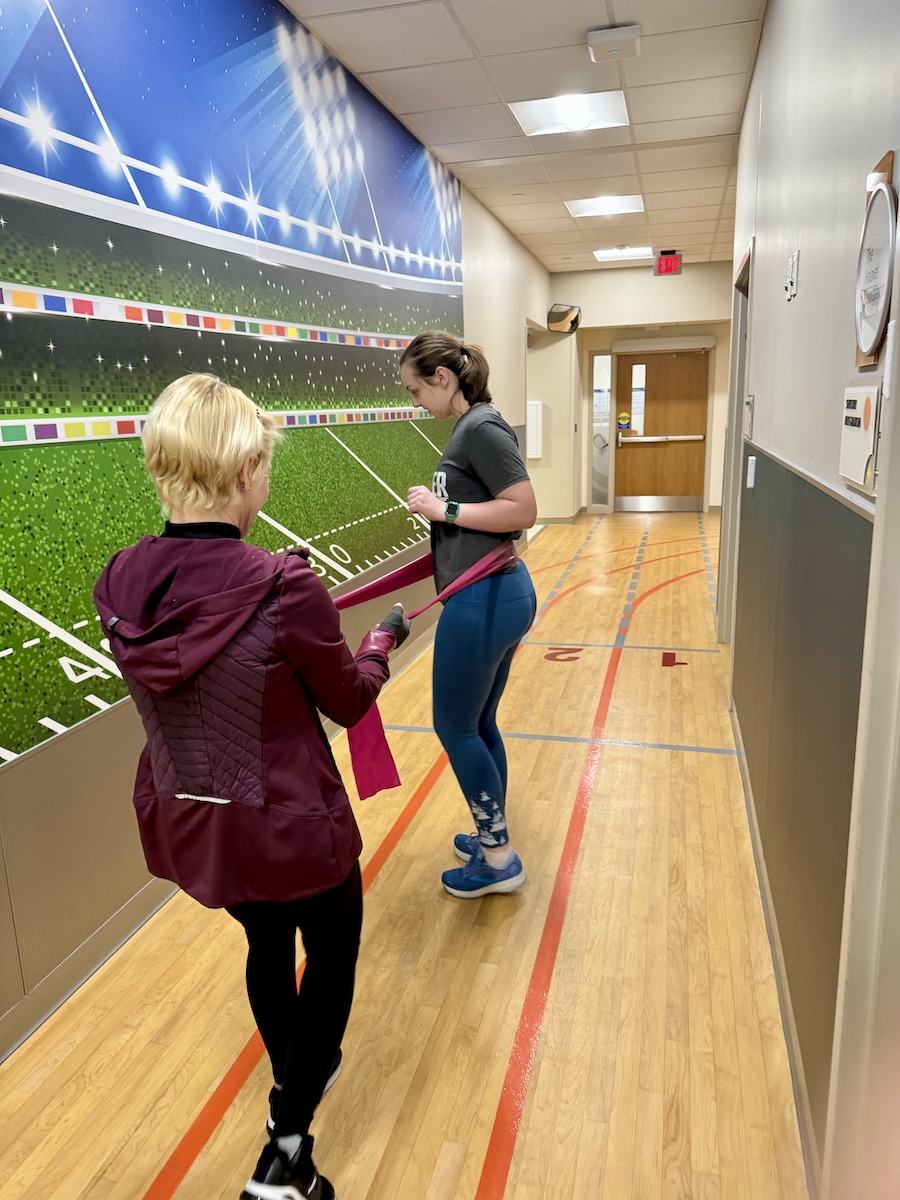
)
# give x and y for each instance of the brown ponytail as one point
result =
(428, 351)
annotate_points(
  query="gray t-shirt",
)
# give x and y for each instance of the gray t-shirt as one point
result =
(482, 459)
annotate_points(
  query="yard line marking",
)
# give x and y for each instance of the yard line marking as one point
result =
(96, 701)
(57, 631)
(7, 755)
(422, 520)
(53, 726)
(79, 624)
(427, 439)
(30, 642)
(3, 653)
(329, 562)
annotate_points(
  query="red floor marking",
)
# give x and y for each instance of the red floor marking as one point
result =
(504, 1133)
(620, 550)
(617, 571)
(185, 1153)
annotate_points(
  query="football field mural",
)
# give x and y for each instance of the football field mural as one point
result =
(194, 187)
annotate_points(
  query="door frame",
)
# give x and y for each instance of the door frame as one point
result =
(740, 416)
(663, 345)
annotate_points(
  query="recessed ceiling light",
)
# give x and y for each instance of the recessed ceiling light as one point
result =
(605, 206)
(572, 113)
(619, 253)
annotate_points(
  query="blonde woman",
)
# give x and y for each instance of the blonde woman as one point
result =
(228, 652)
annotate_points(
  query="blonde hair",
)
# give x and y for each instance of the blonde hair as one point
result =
(198, 435)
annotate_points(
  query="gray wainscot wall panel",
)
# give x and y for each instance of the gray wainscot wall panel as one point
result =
(801, 603)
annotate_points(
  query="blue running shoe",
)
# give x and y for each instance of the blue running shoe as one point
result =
(465, 845)
(476, 878)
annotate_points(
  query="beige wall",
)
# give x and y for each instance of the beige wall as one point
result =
(620, 296)
(505, 288)
(821, 111)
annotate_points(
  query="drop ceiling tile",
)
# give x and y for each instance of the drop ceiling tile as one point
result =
(500, 172)
(697, 54)
(507, 26)
(714, 153)
(662, 16)
(569, 262)
(613, 226)
(524, 193)
(575, 143)
(318, 8)
(673, 216)
(583, 189)
(445, 126)
(549, 211)
(696, 98)
(627, 237)
(678, 181)
(661, 201)
(580, 165)
(684, 244)
(662, 229)
(695, 258)
(553, 225)
(561, 242)
(441, 85)
(408, 35)
(490, 148)
(695, 127)
(554, 72)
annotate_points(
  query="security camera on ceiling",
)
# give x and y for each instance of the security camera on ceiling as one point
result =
(618, 41)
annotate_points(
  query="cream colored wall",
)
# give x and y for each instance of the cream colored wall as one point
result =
(821, 112)
(620, 296)
(505, 287)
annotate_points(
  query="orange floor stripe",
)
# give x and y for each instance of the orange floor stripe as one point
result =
(501, 1146)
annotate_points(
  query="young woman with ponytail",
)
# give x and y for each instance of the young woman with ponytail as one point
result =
(480, 496)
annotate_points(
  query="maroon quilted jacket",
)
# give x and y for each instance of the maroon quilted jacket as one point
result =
(229, 651)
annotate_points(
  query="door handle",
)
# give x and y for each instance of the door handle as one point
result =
(671, 437)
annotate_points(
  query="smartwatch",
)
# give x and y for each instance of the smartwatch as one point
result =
(451, 511)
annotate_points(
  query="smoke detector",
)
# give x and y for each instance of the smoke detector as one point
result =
(619, 41)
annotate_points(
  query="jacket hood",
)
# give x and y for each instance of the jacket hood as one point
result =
(170, 605)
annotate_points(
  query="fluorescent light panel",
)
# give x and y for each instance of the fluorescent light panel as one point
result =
(605, 206)
(571, 114)
(623, 252)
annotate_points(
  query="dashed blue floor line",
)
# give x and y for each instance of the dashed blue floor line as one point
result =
(561, 582)
(711, 574)
(584, 741)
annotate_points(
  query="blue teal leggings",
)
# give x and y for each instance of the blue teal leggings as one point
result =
(477, 635)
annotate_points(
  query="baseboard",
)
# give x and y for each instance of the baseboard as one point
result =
(811, 1157)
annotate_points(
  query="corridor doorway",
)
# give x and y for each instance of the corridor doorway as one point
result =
(661, 421)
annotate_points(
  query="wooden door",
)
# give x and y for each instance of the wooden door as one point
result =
(661, 458)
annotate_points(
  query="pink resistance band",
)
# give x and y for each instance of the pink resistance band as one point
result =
(373, 764)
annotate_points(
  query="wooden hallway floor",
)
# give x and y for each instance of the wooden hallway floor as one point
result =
(610, 1032)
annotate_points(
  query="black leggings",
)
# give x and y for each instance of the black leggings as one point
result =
(302, 1028)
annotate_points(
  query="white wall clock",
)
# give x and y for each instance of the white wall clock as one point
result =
(874, 268)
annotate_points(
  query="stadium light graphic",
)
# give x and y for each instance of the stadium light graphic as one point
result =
(318, 177)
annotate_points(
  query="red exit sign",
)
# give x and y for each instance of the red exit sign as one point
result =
(667, 263)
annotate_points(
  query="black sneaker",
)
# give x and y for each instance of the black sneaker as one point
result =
(336, 1065)
(278, 1177)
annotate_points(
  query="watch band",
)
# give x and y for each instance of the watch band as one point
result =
(451, 511)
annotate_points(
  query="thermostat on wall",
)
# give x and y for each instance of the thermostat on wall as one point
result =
(859, 431)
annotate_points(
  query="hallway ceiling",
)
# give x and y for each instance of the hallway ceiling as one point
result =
(448, 69)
